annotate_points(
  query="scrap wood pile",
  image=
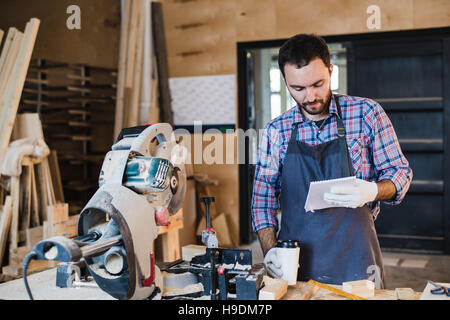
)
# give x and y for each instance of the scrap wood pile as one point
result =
(29, 208)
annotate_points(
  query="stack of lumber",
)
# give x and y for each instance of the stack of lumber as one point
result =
(14, 61)
(31, 211)
(143, 94)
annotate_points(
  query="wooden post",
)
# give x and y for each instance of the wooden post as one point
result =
(171, 249)
(122, 69)
(10, 59)
(5, 223)
(136, 88)
(165, 103)
(15, 194)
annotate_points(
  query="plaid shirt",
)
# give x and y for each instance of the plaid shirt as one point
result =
(373, 148)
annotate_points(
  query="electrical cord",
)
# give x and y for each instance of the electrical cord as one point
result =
(30, 256)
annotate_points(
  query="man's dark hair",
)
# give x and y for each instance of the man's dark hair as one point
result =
(301, 49)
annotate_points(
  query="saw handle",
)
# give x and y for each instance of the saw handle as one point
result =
(207, 201)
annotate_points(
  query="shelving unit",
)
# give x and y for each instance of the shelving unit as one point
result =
(75, 103)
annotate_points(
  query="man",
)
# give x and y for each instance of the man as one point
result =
(323, 137)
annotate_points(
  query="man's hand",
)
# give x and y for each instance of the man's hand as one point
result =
(353, 196)
(272, 263)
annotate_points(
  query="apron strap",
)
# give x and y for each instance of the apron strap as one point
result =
(347, 170)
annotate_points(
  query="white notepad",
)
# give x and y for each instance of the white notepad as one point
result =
(314, 200)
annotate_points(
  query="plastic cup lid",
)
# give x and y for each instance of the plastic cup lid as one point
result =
(287, 244)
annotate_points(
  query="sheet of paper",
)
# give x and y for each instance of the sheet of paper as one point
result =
(314, 200)
(427, 295)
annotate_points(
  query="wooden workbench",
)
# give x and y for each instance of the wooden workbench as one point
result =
(43, 287)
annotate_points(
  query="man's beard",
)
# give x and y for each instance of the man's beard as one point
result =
(322, 109)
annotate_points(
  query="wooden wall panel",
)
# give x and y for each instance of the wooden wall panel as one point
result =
(202, 34)
(431, 13)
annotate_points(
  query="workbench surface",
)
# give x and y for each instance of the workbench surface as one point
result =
(42, 285)
(297, 291)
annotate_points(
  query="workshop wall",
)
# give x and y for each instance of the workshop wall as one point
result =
(95, 44)
(202, 34)
(201, 40)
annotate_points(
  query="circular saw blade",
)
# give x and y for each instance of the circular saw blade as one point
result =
(176, 202)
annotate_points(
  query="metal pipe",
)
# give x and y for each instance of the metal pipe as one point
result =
(99, 247)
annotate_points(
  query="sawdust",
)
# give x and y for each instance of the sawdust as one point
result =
(236, 266)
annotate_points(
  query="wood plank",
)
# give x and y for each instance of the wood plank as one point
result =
(55, 174)
(165, 103)
(147, 64)
(34, 208)
(5, 224)
(27, 125)
(41, 190)
(10, 61)
(362, 288)
(1, 36)
(137, 81)
(33, 236)
(15, 194)
(170, 237)
(171, 246)
(131, 57)
(9, 102)
(25, 198)
(58, 212)
(66, 228)
(48, 181)
(6, 46)
(274, 289)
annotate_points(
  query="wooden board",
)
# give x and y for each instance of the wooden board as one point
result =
(41, 192)
(25, 198)
(133, 116)
(67, 228)
(57, 212)
(124, 29)
(274, 289)
(27, 125)
(170, 238)
(55, 174)
(33, 236)
(10, 60)
(6, 46)
(5, 223)
(9, 102)
(15, 194)
(165, 103)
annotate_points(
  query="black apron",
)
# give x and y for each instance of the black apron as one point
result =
(336, 244)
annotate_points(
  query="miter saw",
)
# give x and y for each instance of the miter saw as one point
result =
(142, 182)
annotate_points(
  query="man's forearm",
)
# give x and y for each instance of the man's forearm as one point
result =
(267, 238)
(386, 190)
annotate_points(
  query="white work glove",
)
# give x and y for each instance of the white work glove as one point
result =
(273, 264)
(352, 196)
